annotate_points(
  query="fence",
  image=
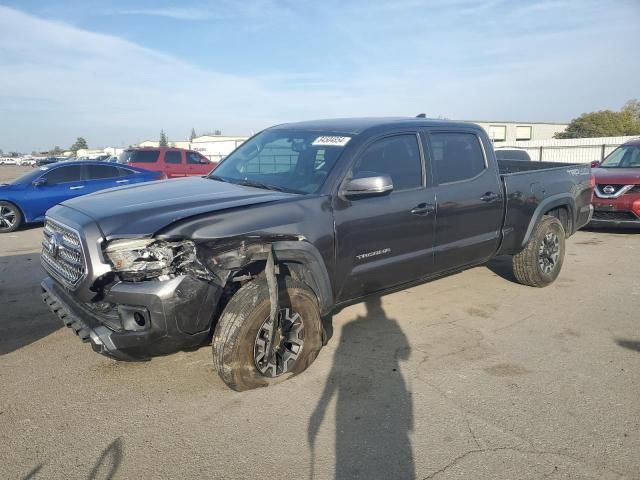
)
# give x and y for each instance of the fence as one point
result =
(579, 150)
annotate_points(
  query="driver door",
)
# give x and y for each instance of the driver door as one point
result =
(386, 240)
(61, 183)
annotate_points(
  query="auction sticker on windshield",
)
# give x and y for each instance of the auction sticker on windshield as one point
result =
(331, 141)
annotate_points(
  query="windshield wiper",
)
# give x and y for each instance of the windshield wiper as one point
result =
(266, 186)
(218, 178)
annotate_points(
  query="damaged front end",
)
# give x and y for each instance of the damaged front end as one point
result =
(135, 260)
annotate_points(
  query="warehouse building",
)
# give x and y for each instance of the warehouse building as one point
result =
(509, 132)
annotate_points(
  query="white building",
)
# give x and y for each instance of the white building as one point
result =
(216, 147)
(510, 132)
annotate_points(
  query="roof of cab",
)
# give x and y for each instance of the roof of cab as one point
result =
(356, 126)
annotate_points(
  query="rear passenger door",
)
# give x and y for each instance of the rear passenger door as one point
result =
(386, 240)
(99, 177)
(174, 164)
(469, 199)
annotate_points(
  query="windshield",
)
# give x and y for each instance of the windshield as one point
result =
(125, 156)
(29, 176)
(623, 157)
(289, 160)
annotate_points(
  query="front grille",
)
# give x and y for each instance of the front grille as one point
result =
(635, 189)
(616, 188)
(62, 254)
(606, 215)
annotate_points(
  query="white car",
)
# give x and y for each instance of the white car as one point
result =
(8, 161)
(26, 161)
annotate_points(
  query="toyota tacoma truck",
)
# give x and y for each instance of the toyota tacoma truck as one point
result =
(299, 221)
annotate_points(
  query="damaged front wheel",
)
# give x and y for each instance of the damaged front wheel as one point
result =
(247, 353)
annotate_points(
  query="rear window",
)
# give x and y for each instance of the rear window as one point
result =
(143, 156)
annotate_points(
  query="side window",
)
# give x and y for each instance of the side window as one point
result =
(64, 175)
(173, 156)
(99, 172)
(195, 159)
(124, 172)
(397, 156)
(456, 156)
(144, 156)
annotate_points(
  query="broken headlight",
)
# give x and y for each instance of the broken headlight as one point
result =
(148, 258)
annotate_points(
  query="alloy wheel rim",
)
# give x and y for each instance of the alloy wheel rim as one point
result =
(288, 345)
(549, 252)
(8, 218)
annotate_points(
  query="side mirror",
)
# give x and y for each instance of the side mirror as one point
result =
(595, 164)
(368, 186)
(39, 182)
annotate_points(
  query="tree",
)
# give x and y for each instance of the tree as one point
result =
(193, 134)
(81, 143)
(217, 132)
(633, 107)
(56, 151)
(163, 139)
(605, 123)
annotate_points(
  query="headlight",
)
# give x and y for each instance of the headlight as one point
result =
(143, 259)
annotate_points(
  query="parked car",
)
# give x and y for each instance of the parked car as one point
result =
(41, 162)
(26, 162)
(8, 161)
(297, 222)
(27, 198)
(616, 198)
(512, 153)
(173, 162)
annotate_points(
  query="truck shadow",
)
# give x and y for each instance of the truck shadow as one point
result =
(374, 410)
(24, 318)
(630, 344)
(501, 266)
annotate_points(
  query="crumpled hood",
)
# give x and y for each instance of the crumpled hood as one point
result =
(617, 176)
(142, 210)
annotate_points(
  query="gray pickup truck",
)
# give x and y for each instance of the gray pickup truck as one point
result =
(299, 221)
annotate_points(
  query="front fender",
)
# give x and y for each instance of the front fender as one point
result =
(306, 262)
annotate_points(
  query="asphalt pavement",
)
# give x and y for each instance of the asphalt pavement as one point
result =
(469, 377)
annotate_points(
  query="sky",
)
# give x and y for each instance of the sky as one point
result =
(117, 72)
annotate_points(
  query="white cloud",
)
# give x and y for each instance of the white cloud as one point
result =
(174, 13)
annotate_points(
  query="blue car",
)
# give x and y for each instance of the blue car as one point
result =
(27, 198)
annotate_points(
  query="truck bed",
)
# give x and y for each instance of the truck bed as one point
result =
(531, 188)
(507, 167)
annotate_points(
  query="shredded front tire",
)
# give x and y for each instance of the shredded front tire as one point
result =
(239, 337)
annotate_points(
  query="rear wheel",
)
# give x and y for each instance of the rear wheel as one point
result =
(539, 264)
(10, 217)
(244, 331)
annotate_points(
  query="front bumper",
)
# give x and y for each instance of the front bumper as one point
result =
(146, 318)
(621, 212)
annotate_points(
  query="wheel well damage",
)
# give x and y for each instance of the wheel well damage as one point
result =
(232, 262)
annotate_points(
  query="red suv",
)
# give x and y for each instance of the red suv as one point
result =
(173, 162)
(616, 199)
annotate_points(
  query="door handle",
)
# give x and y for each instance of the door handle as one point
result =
(489, 197)
(76, 188)
(423, 209)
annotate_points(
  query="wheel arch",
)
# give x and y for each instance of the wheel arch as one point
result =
(552, 205)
